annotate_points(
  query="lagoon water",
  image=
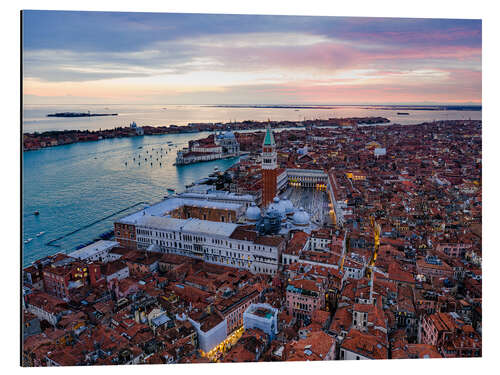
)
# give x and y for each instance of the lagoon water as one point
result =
(75, 185)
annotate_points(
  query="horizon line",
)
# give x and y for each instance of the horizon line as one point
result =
(275, 104)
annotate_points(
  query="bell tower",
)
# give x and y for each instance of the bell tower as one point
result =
(269, 167)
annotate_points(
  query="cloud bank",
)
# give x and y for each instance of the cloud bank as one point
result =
(210, 59)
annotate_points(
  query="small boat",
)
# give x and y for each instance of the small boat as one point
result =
(28, 240)
(40, 234)
(170, 190)
(139, 147)
(36, 213)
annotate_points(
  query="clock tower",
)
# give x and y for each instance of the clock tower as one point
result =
(269, 168)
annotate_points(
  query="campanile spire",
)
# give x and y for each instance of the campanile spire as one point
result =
(269, 167)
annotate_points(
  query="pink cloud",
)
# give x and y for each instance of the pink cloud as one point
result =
(337, 56)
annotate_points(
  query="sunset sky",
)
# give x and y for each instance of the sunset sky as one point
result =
(93, 57)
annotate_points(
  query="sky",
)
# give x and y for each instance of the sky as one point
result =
(168, 58)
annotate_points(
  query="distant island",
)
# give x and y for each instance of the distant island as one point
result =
(428, 108)
(80, 114)
(371, 107)
(273, 106)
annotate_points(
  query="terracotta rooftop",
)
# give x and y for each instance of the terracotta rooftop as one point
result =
(313, 348)
(364, 344)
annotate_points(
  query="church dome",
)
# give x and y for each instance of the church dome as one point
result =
(287, 205)
(228, 134)
(253, 213)
(300, 217)
(278, 207)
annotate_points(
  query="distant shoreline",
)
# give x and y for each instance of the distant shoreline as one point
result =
(37, 141)
(80, 114)
(374, 107)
